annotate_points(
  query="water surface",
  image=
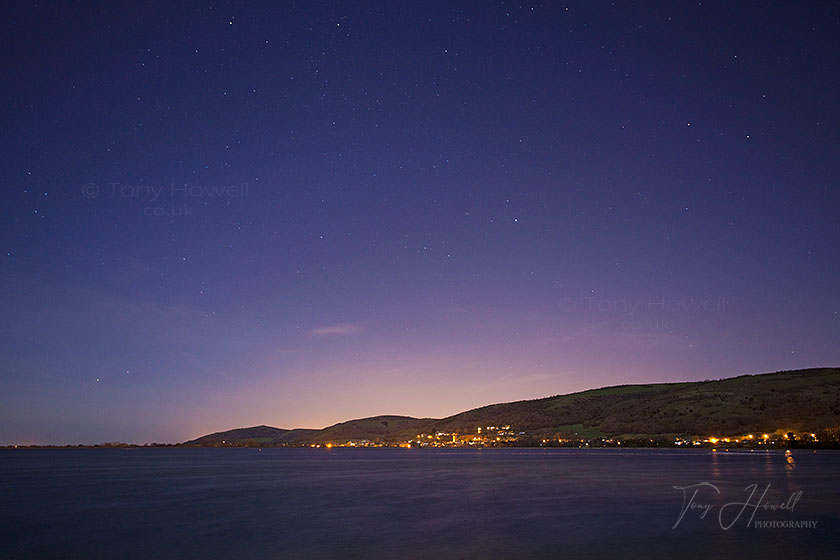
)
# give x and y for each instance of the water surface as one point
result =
(415, 503)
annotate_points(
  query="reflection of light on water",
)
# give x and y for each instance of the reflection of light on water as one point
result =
(790, 472)
(790, 463)
(769, 462)
(715, 465)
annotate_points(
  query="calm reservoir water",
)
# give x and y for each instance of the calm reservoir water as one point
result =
(417, 503)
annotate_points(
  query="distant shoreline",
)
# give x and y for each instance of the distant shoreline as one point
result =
(730, 449)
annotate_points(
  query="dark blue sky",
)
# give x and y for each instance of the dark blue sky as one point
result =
(228, 214)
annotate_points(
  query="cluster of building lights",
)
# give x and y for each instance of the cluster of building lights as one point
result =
(502, 435)
(779, 436)
(487, 435)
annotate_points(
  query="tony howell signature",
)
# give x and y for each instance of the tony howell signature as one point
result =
(729, 513)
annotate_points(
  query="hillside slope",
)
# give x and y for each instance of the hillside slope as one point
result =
(800, 400)
(251, 437)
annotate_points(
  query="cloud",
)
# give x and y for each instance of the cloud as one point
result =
(337, 330)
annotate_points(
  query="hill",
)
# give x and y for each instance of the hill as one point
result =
(377, 428)
(251, 437)
(802, 400)
(799, 401)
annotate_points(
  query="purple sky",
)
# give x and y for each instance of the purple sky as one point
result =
(217, 216)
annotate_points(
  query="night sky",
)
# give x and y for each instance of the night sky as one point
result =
(228, 214)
